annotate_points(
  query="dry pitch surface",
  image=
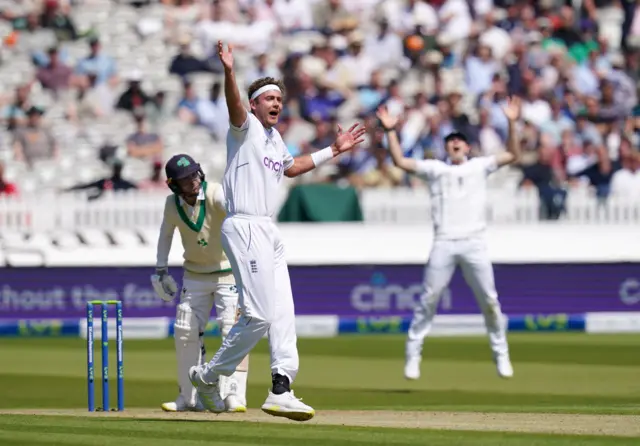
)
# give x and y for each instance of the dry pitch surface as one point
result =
(573, 424)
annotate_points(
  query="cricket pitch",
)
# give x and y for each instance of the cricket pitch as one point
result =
(568, 424)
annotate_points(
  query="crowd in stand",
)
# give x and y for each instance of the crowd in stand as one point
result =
(439, 64)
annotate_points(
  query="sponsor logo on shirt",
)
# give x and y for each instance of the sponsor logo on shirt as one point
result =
(272, 165)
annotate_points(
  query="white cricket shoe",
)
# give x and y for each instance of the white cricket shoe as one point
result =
(412, 368)
(180, 405)
(504, 367)
(208, 393)
(233, 404)
(288, 406)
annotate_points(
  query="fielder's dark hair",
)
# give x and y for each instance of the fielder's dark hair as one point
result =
(259, 83)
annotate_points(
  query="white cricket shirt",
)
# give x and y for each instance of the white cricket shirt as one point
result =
(256, 161)
(458, 195)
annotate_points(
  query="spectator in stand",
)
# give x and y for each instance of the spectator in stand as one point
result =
(213, 114)
(94, 101)
(490, 142)
(355, 66)
(156, 111)
(187, 110)
(113, 182)
(185, 62)
(600, 169)
(459, 119)
(98, 62)
(263, 68)
(156, 181)
(626, 180)
(544, 178)
(34, 142)
(330, 15)
(384, 48)
(179, 16)
(380, 170)
(481, 69)
(319, 101)
(6, 187)
(535, 107)
(134, 97)
(14, 114)
(563, 58)
(58, 19)
(56, 76)
(142, 144)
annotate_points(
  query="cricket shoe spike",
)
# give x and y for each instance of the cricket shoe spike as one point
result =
(412, 368)
(504, 367)
(288, 406)
(180, 405)
(208, 393)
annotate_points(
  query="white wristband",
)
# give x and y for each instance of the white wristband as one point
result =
(322, 156)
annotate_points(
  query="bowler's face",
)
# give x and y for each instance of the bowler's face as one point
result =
(267, 107)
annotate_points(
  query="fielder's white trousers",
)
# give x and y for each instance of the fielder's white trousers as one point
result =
(473, 257)
(192, 315)
(256, 253)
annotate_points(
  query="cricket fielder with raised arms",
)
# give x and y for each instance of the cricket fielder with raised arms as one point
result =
(257, 159)
(197, 208)
(458, 190)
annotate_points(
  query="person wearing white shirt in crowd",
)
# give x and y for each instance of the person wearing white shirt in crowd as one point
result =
(385, 48)
(197, 208)
(355, 66)
(419, 13)
(212, 113)
(256, 36)
(626, 180)
(455, 19)
(495, 37)
(535, 109)
(291, 15)
(257, 160)
(458, 190)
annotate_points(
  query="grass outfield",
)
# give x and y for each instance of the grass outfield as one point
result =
(554, 373)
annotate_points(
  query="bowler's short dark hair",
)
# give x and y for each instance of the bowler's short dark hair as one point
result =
(259, 83)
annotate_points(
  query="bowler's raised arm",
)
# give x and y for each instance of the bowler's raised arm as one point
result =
(237, 111)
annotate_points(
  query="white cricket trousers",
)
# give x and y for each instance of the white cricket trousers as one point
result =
(473, 257)
(256, 253)
(192, 315)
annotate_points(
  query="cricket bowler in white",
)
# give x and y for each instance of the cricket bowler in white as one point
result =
(257, 159)
(458, 190)
(197, 209)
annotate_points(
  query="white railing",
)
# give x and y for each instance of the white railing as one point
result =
(46, 212)
(142, 209)
(505, 206)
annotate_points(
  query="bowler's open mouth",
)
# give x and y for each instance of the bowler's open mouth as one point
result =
(274, 113)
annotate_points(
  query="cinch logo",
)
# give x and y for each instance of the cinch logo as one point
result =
(630, 291)
(381, 296)
(271, 164)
